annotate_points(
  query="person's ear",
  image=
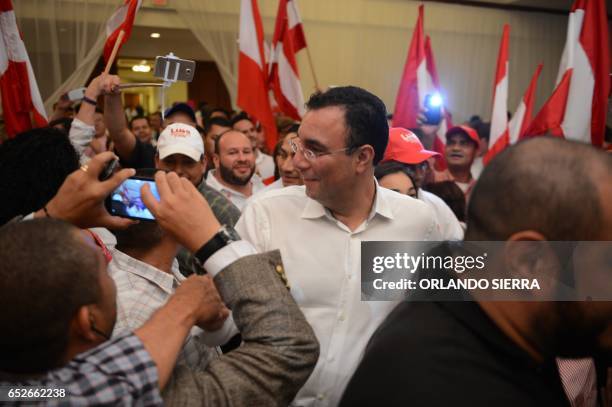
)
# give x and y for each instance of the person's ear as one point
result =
(204, 163)
(82, 323)
(364, 158)
(157, 160)
(216, 160)
(527, 256)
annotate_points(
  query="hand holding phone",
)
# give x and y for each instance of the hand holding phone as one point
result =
(182, 211)
(125, 201)
(433, 109)
(80, 199)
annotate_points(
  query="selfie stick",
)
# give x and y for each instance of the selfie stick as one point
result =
(167, 82)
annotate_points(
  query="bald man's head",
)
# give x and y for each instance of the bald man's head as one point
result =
(545, 184)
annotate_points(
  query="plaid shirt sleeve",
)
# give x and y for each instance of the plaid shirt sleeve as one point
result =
(119, 372)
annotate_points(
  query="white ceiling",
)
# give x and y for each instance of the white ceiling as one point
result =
(562, 5)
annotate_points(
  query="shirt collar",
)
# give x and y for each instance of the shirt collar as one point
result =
(314, 209)
(163, 280)
(214, 182)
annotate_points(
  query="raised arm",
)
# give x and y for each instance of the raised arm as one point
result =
(114, 118)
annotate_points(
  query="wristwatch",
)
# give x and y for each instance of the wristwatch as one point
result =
(221, 239)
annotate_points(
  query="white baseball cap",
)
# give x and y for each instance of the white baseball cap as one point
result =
(180, 138)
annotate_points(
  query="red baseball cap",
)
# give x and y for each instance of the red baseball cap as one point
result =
(404, 146)
(467, 130)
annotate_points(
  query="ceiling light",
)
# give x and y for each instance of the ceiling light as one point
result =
(141, 68)
(155, 35)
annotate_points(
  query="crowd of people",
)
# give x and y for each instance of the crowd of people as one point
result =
(246, 290)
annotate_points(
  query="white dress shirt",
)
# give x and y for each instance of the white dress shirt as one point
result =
(322, 262)
(265, 165)
(235, 197)
(450, 228)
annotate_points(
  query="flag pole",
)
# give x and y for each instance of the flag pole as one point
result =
(314, 75)
(113, 54)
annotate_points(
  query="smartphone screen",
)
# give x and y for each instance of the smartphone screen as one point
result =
(125, 201)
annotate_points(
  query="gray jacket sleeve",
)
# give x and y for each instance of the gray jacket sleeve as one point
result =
(279, 351)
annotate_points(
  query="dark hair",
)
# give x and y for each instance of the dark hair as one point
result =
(220, 110)
(47, 275)
(293, 128)
(451, 194)
(240, 116)
(216, 121)
(529, 187)
(483, 129)
(65, 122)
(33, 166)
(365, 117)
(391, 167)
(139, 118)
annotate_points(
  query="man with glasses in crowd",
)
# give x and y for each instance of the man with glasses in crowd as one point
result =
(319, 228)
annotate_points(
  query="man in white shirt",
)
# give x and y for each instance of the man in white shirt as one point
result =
(405, 147)
(234, 174)
(264, 163)
(319, 228)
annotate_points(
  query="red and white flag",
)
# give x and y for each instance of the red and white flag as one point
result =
(523, 114)
(252, 71)
(499, 136)
(420, 78)
(578, 106)
(284, 75)
(410, 96)
(121, 20)
(446, 123)
(21, 101)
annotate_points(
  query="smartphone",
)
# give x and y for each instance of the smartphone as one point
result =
(76, 94)
(109, 169)
(433, 109)
(170, 68)
(125, 201)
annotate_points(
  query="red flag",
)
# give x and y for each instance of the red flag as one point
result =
(409, 101)
(550, 117)
(21, 101)
(523, 115)
(583, 79)
(252, 71)
(446, 123)
(500, 137)
(121, 20)
(284, 76)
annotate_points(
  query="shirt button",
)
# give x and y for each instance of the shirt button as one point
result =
(279, 268)
(320, 397)
(349, 276)
(330, 359)
(341, 316)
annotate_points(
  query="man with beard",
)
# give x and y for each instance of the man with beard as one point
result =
(503, 353)
(234, 173)
(264, 164)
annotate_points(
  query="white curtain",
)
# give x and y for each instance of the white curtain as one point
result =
(64, 39)
(365, 42)
(215, 25)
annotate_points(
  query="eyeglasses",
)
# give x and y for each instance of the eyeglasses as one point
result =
(309, 154)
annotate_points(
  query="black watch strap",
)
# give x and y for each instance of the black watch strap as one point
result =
(221, 239)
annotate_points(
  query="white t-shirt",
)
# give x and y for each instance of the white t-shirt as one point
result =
(235, 197)
(450, 228)
(322, 262)
(265, 165)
